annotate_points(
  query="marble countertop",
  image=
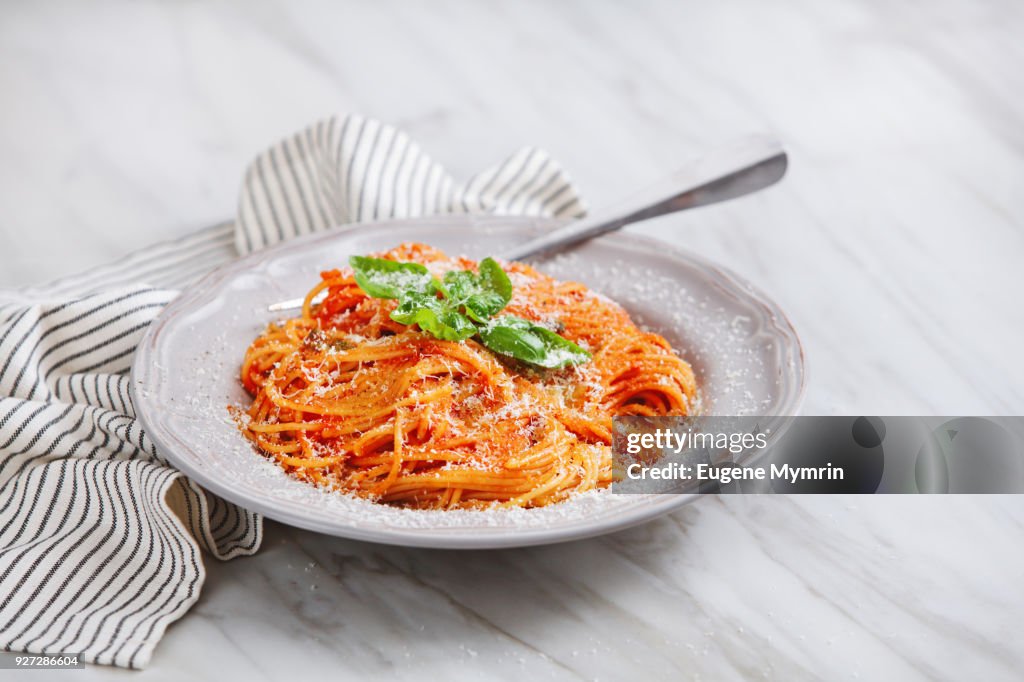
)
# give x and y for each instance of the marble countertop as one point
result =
(894, 244)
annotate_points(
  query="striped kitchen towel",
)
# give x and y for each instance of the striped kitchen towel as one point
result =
(356, 169)
(100, 538)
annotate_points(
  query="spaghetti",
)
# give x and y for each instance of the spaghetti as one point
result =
(346, 398)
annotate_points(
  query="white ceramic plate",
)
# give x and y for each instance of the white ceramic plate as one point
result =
(746, 354)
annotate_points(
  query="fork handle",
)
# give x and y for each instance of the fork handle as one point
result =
(742, 167)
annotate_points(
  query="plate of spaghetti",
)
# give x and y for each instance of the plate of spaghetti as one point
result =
(430, 394)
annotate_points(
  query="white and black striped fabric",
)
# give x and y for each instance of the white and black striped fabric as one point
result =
(355, 169)
(100, 539)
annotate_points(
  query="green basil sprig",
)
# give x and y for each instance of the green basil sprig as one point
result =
(482, 295)
(463, 305)
(434, 315)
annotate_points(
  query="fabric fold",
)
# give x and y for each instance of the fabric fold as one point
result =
(353, 169)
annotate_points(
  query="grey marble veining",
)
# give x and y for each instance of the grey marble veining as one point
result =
(894, 244)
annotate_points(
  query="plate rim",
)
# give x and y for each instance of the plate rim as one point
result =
(442, 537)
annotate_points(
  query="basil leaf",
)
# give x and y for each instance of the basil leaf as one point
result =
(382, 278)
(495, 280)
(484, 294)
(531, 343)
(434, 315)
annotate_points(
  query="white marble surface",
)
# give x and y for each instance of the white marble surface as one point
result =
(895, 244)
